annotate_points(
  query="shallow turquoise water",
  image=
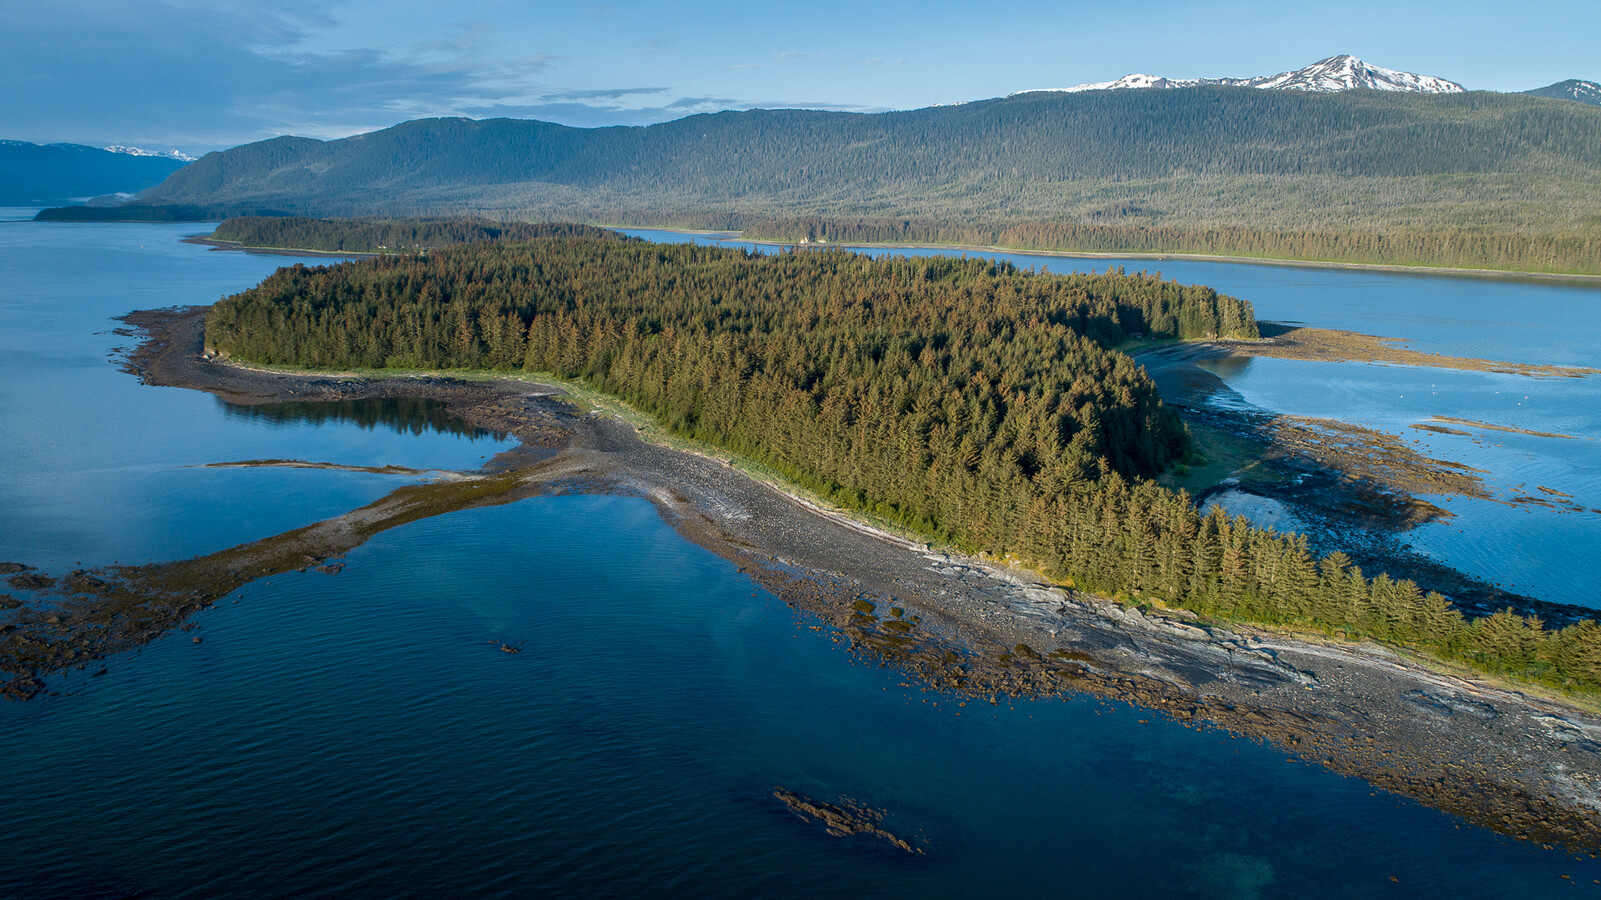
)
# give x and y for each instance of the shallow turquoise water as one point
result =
(363, 734)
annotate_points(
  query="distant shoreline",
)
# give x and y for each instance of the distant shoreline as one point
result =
(215, 244)
(727, 235)
(1497, 274)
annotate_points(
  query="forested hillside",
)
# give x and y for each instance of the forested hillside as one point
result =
(970, 401)
(1220, 168)
(1450, 248)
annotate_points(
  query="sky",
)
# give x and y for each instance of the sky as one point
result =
(200, 75)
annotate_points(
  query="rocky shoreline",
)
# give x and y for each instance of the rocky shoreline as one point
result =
(1350, 488)
(1518, 763)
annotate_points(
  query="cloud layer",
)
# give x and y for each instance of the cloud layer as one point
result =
(215, 74)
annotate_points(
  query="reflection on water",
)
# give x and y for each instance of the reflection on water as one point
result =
(403, 415)
(99, 468)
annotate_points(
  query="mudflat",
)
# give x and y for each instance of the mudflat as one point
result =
(1521, 763)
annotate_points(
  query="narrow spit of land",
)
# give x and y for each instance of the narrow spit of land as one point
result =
(1327, 345)
(1524, 765)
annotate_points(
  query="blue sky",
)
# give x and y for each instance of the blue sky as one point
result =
(207, 74)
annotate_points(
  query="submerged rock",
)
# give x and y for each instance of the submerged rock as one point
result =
(848, 818)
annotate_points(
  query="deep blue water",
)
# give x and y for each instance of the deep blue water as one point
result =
(1526, 547)
(362, 734)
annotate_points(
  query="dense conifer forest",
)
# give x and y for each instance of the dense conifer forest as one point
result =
(1455, 248)
(972, 402)
(381, 235)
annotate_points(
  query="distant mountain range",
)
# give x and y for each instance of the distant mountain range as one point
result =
(1212, 155)
(40, 175)
(1572, 89)
(1337, 73)
(1333, 75)
(164, 154)
(1307, 156)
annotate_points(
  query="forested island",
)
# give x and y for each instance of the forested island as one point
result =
(377, 235)
(967, 401)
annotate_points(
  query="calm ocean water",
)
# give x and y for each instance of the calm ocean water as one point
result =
(1526, 547)
(362, 734)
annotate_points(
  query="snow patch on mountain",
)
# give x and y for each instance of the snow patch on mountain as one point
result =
(135, 151)
(1337, 73)
(1572, 89)
(1127, 82)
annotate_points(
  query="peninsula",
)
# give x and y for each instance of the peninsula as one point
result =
(1144, 599)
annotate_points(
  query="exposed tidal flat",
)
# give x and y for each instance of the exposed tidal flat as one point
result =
(369, 731)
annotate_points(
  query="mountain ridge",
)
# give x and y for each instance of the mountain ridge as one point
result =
(1335, 73)
(1575, 89)
(40, 174)
(1139, 154)
(1247, 166)
(174, 153)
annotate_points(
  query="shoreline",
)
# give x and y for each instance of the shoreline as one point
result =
(1351, 488)
(1505, 758)
(213, 243)
(1444, 271)
(1578, 279)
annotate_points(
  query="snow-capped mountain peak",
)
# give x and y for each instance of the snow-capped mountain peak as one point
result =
(135, 151)
(1346, 73)
(1135, 80)
(1337, 73)
(1572, 89)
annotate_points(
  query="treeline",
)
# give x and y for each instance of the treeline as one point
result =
(383, 235)
(1446, 248)
(970, 401)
